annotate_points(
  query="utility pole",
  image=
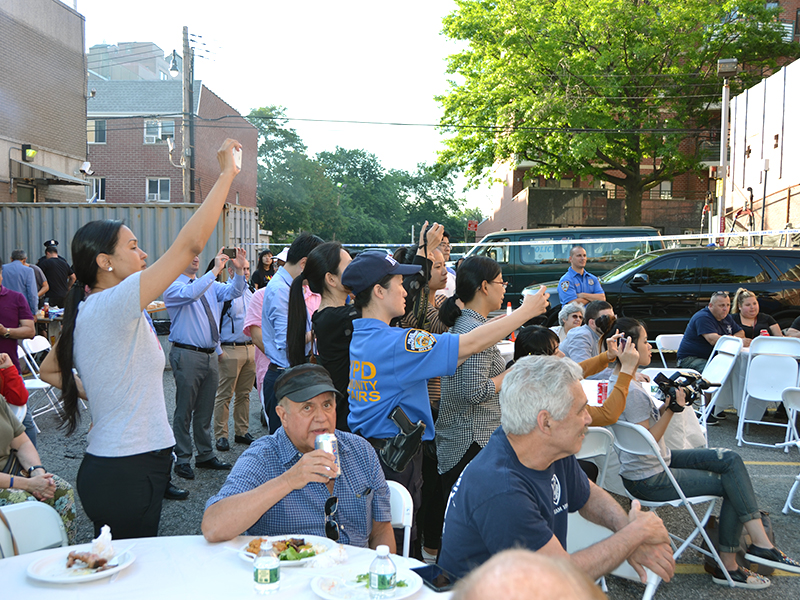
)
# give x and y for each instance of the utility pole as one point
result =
(188, 119)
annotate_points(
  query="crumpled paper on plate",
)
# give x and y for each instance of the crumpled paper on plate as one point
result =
(331, 558)
(102, 545)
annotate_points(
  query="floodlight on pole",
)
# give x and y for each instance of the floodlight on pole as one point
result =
(173, 65)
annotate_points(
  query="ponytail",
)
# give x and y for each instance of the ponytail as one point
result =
(296, 324)
(91, 240)
(449, 311)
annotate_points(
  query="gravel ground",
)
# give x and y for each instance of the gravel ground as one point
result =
(772, 473)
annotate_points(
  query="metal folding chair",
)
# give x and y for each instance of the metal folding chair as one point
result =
(34, 385)
(773, 367)
(791, 400)
(716, 372)
(635, 439)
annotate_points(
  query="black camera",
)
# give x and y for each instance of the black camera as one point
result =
(692, 385)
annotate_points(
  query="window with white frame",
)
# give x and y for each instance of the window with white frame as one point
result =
(96, 131)
(665, 189)
(158, 189)
(97, 191)
(156, 132)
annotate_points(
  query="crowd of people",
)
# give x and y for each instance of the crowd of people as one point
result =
(395, 355)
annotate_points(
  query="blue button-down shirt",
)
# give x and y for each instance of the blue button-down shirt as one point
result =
(22, 279)
(361, 489)
(571, 284)
(189, 320)
(233, 319)
(274, 317)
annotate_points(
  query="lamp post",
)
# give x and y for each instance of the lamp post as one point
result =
(726, 68)
(765, 168)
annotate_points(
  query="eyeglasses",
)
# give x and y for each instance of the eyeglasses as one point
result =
(716, 294)
(331, 524)
(503, 283)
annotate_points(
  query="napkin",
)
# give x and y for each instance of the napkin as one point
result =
(102, 545)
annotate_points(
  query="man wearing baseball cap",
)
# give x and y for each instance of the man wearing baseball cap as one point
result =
(282, 485)
(390, 367)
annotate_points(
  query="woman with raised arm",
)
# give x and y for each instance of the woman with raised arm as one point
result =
(108, 353)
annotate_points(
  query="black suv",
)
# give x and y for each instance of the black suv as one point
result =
(666, 287)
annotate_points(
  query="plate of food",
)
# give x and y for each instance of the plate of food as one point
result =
(354, 585)
(78, 565)
(292, 550)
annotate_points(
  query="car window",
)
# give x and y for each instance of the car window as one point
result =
(675, 270)
(495, 251)
(788, 267)
(546, 254)
(616, 251)
(624, 270)
(733, 268)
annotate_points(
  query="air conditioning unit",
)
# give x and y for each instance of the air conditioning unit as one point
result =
(152, 197)
(150, 139)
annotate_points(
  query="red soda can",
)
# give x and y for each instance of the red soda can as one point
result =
(764, 332)
(602, 392)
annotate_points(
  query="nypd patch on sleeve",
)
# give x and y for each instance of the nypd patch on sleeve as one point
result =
(419, 341)
(565, 285)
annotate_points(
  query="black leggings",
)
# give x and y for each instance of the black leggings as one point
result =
(125, 492)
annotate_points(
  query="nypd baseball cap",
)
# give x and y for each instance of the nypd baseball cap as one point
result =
(369, 267)
(304, 382)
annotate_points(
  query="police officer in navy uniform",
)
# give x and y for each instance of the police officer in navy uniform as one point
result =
(577, 284)
(389, 366)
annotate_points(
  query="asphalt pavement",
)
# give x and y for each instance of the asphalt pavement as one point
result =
(772, 472)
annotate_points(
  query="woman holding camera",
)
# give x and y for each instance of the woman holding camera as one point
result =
(700, 471)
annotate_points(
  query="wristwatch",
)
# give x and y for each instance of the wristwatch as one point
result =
(34, 467)
(7, 334)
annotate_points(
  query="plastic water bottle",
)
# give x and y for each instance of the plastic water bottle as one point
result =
(382, 575)
(266, 571)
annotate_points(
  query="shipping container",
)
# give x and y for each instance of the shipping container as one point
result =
(28, 226)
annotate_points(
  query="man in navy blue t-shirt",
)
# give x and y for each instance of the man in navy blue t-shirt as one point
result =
(519, 490)
(704, 329)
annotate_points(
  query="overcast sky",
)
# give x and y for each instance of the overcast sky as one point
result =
(350, 60)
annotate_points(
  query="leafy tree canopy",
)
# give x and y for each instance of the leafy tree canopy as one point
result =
(598, 88)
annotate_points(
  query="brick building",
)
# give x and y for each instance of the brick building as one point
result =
(42, 101)
(128, 126)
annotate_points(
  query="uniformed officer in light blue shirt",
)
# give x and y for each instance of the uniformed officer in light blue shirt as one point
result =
(577, 284)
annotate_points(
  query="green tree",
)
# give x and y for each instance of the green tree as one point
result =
(600, 88)
(430, 196)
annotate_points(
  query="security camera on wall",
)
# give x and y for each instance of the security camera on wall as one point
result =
(86, 168)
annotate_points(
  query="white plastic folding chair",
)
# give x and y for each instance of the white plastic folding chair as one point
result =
(33, 526)
(635, 439)
(791, 400)
(597, 444)
(668, 341)
(582, 533)
(718, 368)
(402, 512)
(35, 385)
(773, 367)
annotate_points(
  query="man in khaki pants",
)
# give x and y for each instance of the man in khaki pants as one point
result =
(237, 371)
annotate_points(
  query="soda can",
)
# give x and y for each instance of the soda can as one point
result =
(764, 332)
(602, 392)
(328, 443)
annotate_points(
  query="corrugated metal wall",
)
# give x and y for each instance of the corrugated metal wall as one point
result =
(27, 226)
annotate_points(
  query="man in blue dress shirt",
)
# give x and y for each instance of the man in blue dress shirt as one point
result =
(21, 278)
(237, 369)
(275, 316)
(194, 306)
(577, 284)
(282, 485)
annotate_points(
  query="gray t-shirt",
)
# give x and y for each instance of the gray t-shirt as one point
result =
(640, 407)
(121, 363)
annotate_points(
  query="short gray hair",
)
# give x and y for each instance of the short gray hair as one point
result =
(569, 309)
(19, 255)
(534, 384)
